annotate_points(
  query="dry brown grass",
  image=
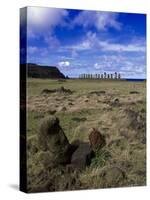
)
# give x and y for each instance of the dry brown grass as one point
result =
(123, 124)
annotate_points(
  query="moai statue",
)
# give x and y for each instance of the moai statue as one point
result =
(101, 76)
(111, 76)
(105, 75)
(115, 75)
(98, 76)
(108, 76)
(119, 76)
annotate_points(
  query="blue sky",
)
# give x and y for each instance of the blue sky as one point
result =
(81, 41)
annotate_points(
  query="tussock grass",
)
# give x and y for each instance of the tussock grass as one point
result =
(123, 125)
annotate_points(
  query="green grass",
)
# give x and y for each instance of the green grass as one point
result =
(35, 86)
(100, 159)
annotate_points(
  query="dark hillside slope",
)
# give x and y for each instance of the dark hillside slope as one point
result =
(38, 71)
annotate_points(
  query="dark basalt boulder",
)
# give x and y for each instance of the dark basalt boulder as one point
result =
(82, 156)
(53, 142)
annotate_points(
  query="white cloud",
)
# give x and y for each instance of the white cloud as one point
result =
(64, 64)
(32, 49)
(85, 45)
(74, 54)
(100, 20)
(98, 66)
(93, 42)
(90, 41)
(45, 17)
(42, 21)
(127, 65)
(52, 41)
(39, 51)
(132, 47)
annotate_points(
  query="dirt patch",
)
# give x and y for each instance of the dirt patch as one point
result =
(98, 92)
(60, 90)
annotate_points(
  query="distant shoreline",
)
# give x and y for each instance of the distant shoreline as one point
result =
(122, 79)
(135, 79)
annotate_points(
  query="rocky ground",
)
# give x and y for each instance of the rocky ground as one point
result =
(85, 134)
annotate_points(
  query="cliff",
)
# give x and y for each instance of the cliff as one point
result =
(38, 71)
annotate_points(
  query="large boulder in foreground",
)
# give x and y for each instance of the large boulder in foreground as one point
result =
(82, 156)
(53, 142)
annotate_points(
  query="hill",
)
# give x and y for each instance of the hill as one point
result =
(38, 71)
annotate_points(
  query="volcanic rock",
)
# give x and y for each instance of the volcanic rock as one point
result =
(82, 156)
(97, 140)
(53, 142)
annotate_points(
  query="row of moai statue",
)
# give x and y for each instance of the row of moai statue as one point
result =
(100, 76)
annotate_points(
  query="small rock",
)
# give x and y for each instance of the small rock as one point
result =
(116, 100)
(98, 92)
(51, 112)
(112, 176)
(134, 92)
(62, 109)
(47, 91)
(70, 103)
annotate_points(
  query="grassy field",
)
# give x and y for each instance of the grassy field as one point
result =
(116, 108)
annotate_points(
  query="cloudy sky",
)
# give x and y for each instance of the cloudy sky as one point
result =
(80, 41)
